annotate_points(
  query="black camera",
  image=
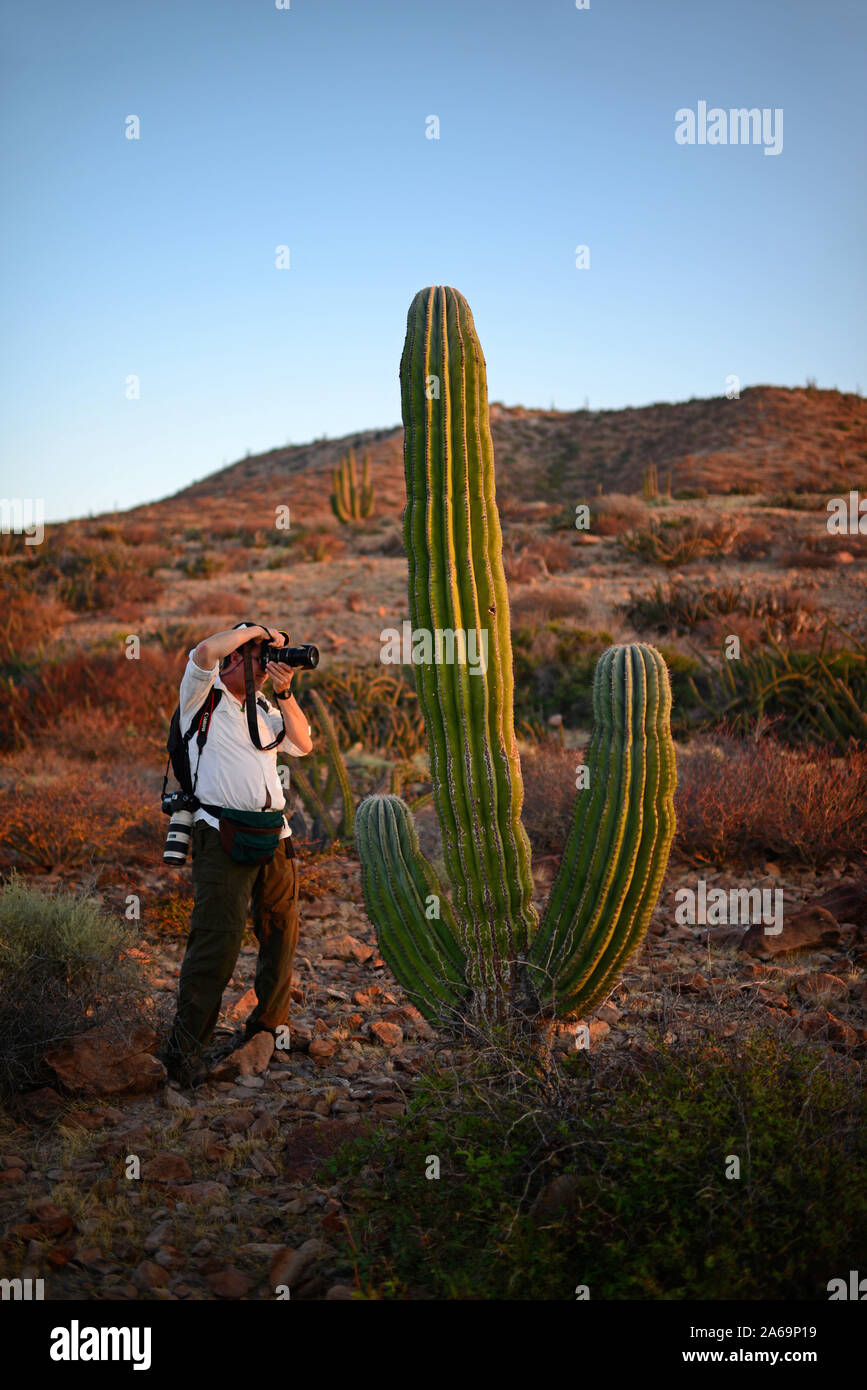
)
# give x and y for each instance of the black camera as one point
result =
(305, 657)
(179, 801)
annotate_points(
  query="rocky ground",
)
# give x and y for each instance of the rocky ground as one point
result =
(227, 1202)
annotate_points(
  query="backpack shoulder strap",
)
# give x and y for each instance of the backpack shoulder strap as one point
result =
(202, 718)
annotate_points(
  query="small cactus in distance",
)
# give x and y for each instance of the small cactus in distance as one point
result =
(349, 502)
(649, 483)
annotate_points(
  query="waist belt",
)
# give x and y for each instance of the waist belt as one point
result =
(267, 819)
(250, 837)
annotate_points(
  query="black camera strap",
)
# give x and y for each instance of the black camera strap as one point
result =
(251, 706)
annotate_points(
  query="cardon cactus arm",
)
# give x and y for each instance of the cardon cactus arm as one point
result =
(403, 896)
(616, 854)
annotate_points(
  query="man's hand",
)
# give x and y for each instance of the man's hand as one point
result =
(281, 675)
(274, 636)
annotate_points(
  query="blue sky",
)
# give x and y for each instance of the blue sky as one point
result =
(306, 127)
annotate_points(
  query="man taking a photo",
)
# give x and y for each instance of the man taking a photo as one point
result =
(235, 859)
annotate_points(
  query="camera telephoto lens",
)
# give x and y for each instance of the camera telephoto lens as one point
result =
(178, 837)
(305, 657)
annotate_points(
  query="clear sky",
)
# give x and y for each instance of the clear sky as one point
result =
(306, 127)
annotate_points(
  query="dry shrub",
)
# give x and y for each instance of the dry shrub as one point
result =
(124, 595)
(317, 546)
(739, 801)
(754, 542)
(90, 574)
(134, 696)
(65, 966)
(235, 557)
(615, 513)
(538, 558)
(804, 558)
(78, 818)
(548, 773)
(140, 533)
(212, 601)
(27, 620)
(556, 553)
(520, 566)
(673, 541)
(550, 601)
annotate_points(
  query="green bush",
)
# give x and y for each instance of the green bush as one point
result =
(815, 697)
(554, 664)
(642, 1207)
(64, 968)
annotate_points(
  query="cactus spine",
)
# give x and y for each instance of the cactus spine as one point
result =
(349, 502)
(484, 952)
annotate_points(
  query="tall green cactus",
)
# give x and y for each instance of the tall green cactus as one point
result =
(349, 502)
(485, 953)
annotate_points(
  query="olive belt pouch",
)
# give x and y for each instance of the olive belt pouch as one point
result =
(250, 837)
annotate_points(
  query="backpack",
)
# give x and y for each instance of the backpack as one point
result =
(178, 744)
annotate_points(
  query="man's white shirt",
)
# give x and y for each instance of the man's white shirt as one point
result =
(232, 772)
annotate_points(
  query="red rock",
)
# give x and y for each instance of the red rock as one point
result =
(410, 1019)
(823, 988)
(44, 1104)
(167, 1167)
(104, 1062)
(846, 901)
(806, 930)
(150, 1275)
(229, 1283)
(691, 984)
(290, 1266)
(237, 1121)
(49, 1222)
(238, 1006)
(346, 948)
(722, 936)
(201, 1193)
(10, 1176)
(81, 1119)
(263, 1127)
(366, 997)
(772, 996)
(322, 1048)
(250, 1060)
(822, 1024)
(389, 1034)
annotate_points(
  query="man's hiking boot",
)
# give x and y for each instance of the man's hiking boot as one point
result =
(186, 1071)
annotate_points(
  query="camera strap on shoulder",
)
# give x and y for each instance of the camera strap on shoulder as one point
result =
(251, 707)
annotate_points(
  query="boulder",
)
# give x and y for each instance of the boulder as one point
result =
(107, 1062)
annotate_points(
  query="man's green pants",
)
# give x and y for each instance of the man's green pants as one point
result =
(223, 889)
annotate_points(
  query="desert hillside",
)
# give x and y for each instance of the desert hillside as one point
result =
(769, 438)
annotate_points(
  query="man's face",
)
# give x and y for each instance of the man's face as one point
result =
(235, 667)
